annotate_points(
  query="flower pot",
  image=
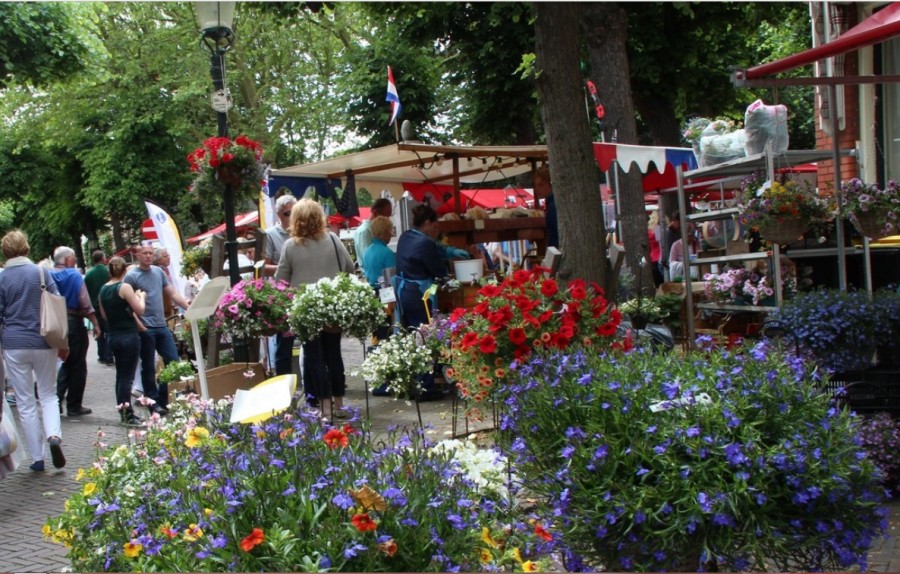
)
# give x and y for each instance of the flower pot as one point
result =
(229, 175)
(782, 232)
(638, 321)
(868, 224)
(332, 329)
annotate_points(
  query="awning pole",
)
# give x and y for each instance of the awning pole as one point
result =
(836, 158)
(457, 207)
(688, 295)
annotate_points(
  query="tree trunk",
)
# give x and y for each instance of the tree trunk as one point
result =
(573, 169)
(606, 35)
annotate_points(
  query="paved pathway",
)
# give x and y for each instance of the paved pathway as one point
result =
(28, 498)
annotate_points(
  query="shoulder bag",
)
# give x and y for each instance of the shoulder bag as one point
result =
(54, 318)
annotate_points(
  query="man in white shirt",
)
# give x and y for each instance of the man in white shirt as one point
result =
(363, 236)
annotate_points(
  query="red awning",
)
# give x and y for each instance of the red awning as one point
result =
(880, 26)
(240, 222)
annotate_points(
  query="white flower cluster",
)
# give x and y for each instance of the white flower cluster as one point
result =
(343, 301)
(485, 467)
(397, 362)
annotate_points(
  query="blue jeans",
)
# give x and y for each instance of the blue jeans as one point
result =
(126, 348)
(104, 348)
(156, 340)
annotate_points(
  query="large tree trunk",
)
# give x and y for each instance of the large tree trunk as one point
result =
(573, 169)
(606, 35)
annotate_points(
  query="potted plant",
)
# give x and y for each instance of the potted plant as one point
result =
(836, 329)
(342, 302)
(641, 311)
(783, 210)
(397, 362)
(718, 460)
(255, 308)
(195, 258)
(177, 371)
(222, 161)
(873, 211)
(525, 315)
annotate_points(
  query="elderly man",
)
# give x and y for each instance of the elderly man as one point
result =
(157, 338)
(363, 236)
(276, 236)
(72, 376)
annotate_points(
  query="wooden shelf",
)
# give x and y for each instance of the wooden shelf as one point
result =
(465, 232)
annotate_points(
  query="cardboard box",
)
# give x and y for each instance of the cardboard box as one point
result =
(223, 381)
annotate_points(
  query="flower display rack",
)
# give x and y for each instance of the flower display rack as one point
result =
(867, 392)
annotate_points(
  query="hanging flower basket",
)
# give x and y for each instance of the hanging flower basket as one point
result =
(222, 162)
(870, 224)
(782, 232)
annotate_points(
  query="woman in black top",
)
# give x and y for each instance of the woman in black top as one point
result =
(120, 305)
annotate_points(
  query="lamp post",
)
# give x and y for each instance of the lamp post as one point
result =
(215, 19)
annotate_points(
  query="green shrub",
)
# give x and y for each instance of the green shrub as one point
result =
(715, 459)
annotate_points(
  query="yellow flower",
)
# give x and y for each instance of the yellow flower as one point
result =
(485, 556)
(89, 488)
(260, 434)
(208, 512)
(132, 549)
(487, 538)
(192, 533)
(531, 567)
(80, 474)
(195, 436)
(517, 555)
(45, 529)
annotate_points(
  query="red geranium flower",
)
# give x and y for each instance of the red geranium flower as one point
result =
(252, 540)
(363, 522)
(336, 438)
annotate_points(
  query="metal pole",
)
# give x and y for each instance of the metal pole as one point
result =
(688, 294)
(836, 159)
(216, 69)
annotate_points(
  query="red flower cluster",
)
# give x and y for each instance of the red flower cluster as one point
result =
(363, 522)
(526, 313)
(220, 150)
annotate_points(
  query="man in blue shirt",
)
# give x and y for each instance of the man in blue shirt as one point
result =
(72, 376)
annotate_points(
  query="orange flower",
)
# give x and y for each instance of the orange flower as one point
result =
(252, 540)
(336, 438)
(363, 522)
(388, 548)
(542, 533)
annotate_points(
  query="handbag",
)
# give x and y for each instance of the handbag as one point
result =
(8, 443)
(54, 317)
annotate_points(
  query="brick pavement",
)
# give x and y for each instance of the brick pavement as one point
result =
(28, 498)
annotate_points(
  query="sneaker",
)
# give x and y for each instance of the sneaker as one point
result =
(37, 466)
(161, 411)
(136, 393)
(132, 420)
(56, 453)
(79, 412)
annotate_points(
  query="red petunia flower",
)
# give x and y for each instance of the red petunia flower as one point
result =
(488, 345)
(363, 522)
(490, 291)
(577, 289)
(336, 438)
(549, 288)
(252, 540)
(517, 336)
(469, 339)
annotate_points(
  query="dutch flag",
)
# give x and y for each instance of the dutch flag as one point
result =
(393, 97)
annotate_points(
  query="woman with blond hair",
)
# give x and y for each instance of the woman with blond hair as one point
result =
(312, 253)
(30, 362)
(120, 305)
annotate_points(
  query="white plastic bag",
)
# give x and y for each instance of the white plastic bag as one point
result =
(720, 148)
(765, 124)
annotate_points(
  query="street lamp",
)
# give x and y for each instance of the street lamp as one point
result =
(215, 19)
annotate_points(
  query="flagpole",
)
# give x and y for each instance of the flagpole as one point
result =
(396, 131)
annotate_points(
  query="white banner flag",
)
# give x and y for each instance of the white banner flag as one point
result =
(168, 237)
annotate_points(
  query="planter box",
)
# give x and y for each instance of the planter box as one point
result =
(223, 381)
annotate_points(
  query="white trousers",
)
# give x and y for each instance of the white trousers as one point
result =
(24, 367)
